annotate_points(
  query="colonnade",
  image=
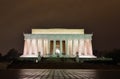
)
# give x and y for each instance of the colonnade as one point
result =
(34, 47)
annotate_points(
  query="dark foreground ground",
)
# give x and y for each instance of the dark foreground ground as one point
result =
(59, 74)
(62, 66)
(61, 69)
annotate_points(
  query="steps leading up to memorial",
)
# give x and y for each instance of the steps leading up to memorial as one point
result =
(58, 63)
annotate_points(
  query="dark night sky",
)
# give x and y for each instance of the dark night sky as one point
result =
(100, 17)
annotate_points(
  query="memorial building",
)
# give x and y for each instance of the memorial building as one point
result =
(58, 43)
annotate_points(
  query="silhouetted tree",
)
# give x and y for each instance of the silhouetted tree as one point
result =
(0, 56)
(12, 54)
(115, 55)
(96, 52)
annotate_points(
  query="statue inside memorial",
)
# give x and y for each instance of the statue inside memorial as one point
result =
(57, 52)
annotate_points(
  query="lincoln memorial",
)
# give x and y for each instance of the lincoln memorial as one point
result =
(58, 42)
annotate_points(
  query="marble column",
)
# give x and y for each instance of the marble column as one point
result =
(89, 47)
(70, 48)
(75, 47)
(54, 48)
(77, 41)
(27, 47)
(61, 47)
(45, 47)
(85, 48)
(40, 47)
(49, 47)
(30, 46)
(67, 51)
(81, 47)
(34, 47)
(25, 52)
(44, 52)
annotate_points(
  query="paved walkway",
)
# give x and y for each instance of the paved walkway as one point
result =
(59, 74)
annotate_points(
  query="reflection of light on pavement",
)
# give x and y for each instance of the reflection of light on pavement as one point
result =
(85, 74)
(57, 74)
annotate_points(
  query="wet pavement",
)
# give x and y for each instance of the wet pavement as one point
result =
(59, 74)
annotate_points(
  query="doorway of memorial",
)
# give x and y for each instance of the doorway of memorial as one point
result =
(57, 48)
(64, 48)
(51, 47)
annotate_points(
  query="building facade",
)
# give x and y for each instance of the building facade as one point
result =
(58, 42)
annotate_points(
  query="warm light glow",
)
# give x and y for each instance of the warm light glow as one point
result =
(57, 51)
(34, 47)
(45, 47)
(57, 31)
(41, 45)
(29, 46)
(88, 47)
(85, 47)
(25, 48)
(81, 47)
(70, 47)
(75, 47)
